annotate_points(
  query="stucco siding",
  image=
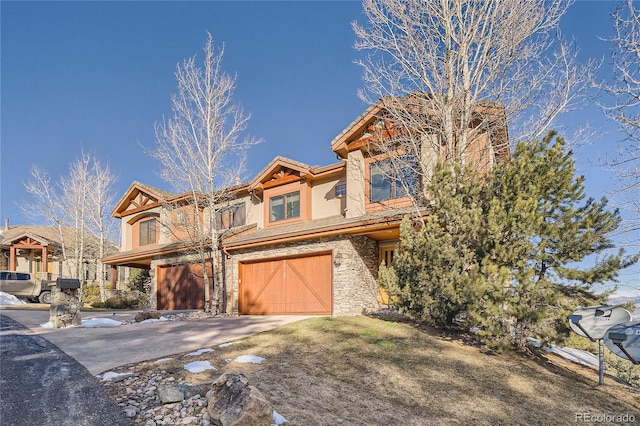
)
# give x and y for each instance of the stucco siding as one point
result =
(355, 185)
(255, 214)
(324, 202)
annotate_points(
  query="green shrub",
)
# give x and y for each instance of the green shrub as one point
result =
(90, 293)
(118, 303)
(121, 303)
(140, 281)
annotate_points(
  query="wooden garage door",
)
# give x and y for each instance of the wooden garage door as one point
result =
(300, 285)
(180, 287)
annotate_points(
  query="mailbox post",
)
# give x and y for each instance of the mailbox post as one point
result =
(65, 302)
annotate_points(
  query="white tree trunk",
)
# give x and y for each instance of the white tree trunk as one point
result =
(201, 150)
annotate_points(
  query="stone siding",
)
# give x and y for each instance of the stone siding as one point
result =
(355, 265)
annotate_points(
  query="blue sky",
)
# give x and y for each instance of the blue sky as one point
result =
(98, 75)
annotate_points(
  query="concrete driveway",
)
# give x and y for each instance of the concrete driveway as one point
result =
(102, 349)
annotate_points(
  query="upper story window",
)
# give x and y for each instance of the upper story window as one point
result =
(231, 216)
(285, 206)
(147, 232)
(341, 190)
(388, 182)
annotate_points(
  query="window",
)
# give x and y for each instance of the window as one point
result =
(388, 182)
(148, 232)
(231, 216)
(386, 255)
(341, 190)
(284, 207)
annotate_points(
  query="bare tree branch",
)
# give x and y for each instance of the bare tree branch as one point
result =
(100, 198)
(202, 150)
(625, 110)
(77, 207)
(455, 74)
(47, 204)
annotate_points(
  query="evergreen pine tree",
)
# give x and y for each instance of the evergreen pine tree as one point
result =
(512, 252)
(540, 227)
(434, 275)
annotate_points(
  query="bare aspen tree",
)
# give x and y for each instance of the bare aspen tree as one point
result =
(451, 75)
(625, 109)
(47, 204)
(202, 151)
(100, 198)
(77, 206)
(74, 188)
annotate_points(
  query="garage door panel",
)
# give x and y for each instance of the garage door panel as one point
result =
(180, 287)
(303, 291)
(287, 286)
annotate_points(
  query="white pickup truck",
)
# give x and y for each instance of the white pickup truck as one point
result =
(22, 284)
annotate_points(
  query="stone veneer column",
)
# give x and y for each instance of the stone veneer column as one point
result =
(65, 307)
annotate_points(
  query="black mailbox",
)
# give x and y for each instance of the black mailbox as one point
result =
(68, 283)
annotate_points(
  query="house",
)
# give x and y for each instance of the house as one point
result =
(38, 250)
(297, 239)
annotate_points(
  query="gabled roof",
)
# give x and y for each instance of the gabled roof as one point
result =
(355, 129)
(288, 167)
(46, 236)
(35, 233)
(422, 103)
(276, 165)
(152, 197)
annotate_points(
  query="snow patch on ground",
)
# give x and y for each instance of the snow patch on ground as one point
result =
(199, 366)
(152, 320)
(249, 358)
(200, 352)
(570, 354)
(224, 345)
(100, 322)
(162, 360)
(10, 299)
(278, 419)
(89, 323)
(113, 375)
(575, 355)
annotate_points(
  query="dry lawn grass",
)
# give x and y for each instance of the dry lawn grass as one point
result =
(380, 371)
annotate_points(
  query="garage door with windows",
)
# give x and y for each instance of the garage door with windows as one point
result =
(292, 285)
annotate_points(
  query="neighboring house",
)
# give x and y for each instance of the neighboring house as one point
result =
(38, 251)
(297, 239)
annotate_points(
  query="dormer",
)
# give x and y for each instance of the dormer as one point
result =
(355, 136)
(285, 190)
(140, 209)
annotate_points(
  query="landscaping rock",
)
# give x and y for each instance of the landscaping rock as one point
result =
(145, 315)
(174, 392)
(232, 402)
(171, 392)
(195, 390)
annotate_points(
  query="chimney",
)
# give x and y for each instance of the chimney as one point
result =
(6, 224)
